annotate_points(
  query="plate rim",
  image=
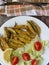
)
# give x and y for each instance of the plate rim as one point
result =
(25, 16)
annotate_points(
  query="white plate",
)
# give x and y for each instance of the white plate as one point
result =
(22, 20)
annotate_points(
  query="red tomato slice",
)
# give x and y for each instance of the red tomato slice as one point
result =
(15, 60)
(34, 62)
(26, 56)
(38, 46)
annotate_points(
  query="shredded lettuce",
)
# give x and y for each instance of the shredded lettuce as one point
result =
(44, 43)
(18, 52)
(29, 48)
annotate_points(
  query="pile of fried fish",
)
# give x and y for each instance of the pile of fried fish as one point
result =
(19, 35)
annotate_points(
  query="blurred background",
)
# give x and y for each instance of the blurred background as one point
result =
(27, 0)
(31, 9)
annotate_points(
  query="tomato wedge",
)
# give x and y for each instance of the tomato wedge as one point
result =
(26, 56)
(38, 46)
(34, 62)
(15, 60)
